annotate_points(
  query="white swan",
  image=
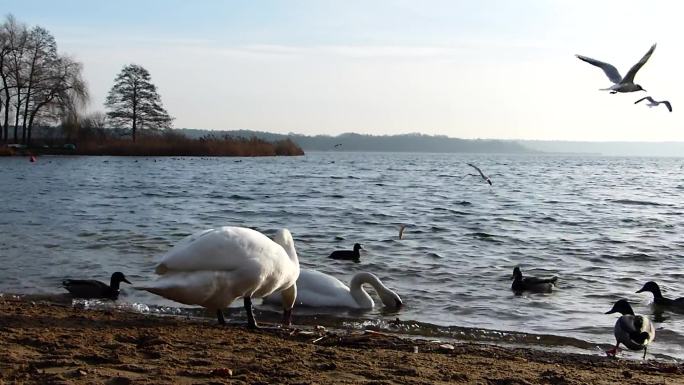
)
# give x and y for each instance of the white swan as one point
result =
(316, 289)
(214, 267)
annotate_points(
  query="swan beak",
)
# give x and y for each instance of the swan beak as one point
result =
(125, 280)
(611, 311)
(640, 290)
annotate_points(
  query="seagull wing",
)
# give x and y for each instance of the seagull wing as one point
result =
(650, 99)
(668, 105)
(629, 78)
(609, 69)
(478, 170)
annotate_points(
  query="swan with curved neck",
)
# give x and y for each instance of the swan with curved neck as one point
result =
(214, 267)
(316, 289)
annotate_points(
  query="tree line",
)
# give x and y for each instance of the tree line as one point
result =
(38, 85)
(41, 87)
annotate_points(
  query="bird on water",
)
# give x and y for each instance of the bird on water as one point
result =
(92, 289)
(533, 284)
(658, 297)
(348, 255)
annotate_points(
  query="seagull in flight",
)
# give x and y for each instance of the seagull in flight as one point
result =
(485, 177)
(621, 84)
(653, 103)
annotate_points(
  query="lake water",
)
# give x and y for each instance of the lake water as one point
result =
(604, 225)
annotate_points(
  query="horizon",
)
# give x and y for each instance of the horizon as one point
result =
(458, 69)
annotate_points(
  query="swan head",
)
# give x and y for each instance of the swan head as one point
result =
(639, 88)
(622, 306)
(390, 299)
(517, 274)
(357, 247)
(650, 286)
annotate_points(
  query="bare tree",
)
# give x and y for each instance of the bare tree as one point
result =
(134, 102)
(61, 92)
(37, 83)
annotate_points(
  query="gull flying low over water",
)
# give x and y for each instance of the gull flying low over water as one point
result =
(653, 103)
(485, 177)
(621, 84)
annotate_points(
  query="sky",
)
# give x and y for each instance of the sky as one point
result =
(468, 69)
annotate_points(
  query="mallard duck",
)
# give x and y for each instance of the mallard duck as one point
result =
(658, 298)
(633, 331)
(214, 267)
(92, 289)
(351, 255)
(534, 284)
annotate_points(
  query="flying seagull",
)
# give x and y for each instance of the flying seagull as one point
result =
(485, 177)
(621, 84)
(653, 103)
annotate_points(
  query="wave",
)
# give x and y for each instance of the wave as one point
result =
(636, 202)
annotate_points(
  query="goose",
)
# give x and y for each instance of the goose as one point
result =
(316, 289)
(620, 84)
(484, 177)
(214, 267)
(633, 331)
(658, 298)
(534, 284)
(348, 254)
(92, 289)
(653, 103)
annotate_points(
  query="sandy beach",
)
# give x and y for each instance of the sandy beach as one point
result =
(48, 343)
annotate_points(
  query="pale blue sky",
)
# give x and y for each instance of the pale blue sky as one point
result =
(487, 69)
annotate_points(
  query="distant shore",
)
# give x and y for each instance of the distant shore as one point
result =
(162, 146)
(47, 343)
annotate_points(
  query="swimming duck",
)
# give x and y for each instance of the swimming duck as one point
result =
(348, 254)
(633, 331)
(316, 289)
(658, 298)
(534, 284)
(92, 289)
(214, 267)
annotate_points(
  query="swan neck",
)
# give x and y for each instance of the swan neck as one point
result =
(356, 285)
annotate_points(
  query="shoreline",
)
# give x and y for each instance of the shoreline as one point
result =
(50, 343)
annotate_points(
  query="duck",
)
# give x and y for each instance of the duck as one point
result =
(316, 289)
(92, 289)
(214, 267)
(351, 255)
(636, 332)
(533, 284)
(658, 298)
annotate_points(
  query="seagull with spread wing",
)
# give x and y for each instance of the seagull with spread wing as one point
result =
(621, 84)
(485, 177)
(653, 103)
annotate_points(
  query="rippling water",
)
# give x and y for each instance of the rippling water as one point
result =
(604, 225)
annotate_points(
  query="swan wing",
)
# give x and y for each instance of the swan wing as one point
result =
(609, 69)
(225, 248)
(190, 288)
(629, 78)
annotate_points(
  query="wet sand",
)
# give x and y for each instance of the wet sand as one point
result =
(46, 343)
